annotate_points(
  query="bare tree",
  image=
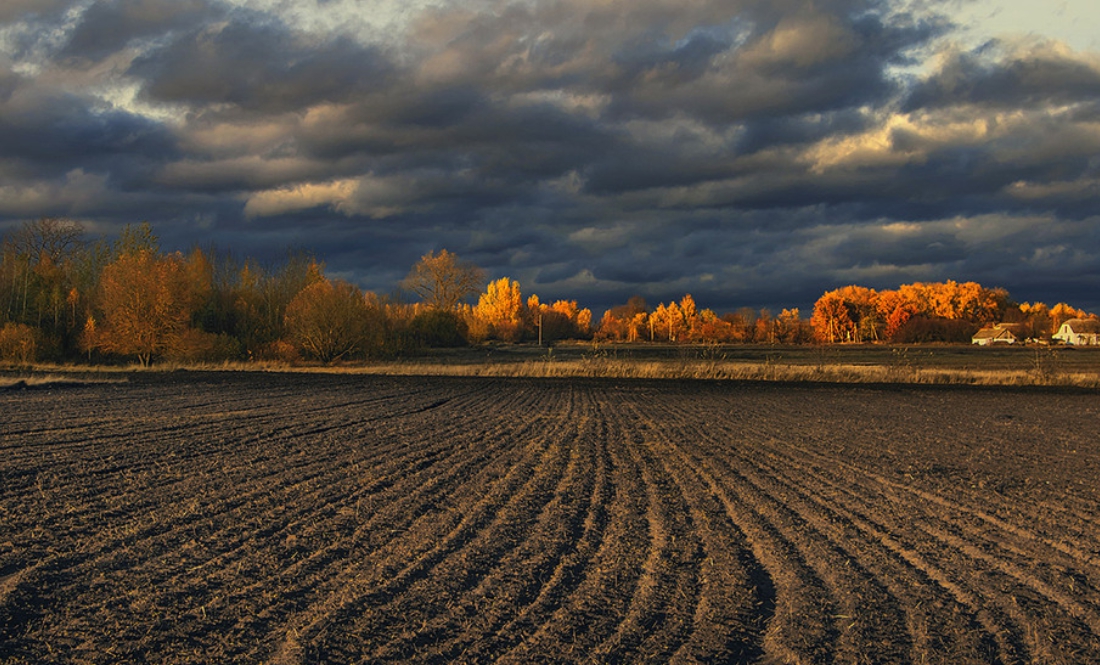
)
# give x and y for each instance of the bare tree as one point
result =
(442, 280)
(49, 237)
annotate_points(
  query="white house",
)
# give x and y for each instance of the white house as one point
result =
(1079, 332)
(1002, 333)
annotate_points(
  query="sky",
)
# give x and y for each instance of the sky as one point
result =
(752, 153)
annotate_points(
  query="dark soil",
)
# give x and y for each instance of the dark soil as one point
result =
(279, 518)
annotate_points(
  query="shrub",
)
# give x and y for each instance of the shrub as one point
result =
(436, 328)
(18, 343)
(197, 346)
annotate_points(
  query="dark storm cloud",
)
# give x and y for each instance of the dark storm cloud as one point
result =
(110, 25)
(878, 246)
(58, 133)
(259, 65)
(12, 10)
(468, 130)
(51, 136)
(9, 81)
(1026, 78)
(767, 132)
(783, 65)
(747, 152)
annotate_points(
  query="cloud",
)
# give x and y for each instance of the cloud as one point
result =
(13, 10)
(303, 197)
(1010, 75)
(257, 65)
(109, 26)
(73, 195)
(752, 153)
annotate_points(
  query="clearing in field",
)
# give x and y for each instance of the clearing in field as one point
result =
(277, 518)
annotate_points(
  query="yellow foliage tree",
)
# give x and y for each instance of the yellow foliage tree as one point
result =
(500, 308)
(1062, 312)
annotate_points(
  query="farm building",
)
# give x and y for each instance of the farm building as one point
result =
(1079, 332)
(1002, 333)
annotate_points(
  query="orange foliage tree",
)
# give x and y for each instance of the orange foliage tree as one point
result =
(18, 343)
(1062, 312)
(625, 323)
(330, 320)
(1037, 320)
(146, 302)
(859, 314)
(831, 320)
(561, 320)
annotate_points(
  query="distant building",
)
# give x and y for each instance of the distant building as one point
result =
(1002, 333)
(1079, 332)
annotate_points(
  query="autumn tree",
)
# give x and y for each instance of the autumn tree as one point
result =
(1061, 313)
(563, 319)
(858, 314)
(443, 281)
(40, 286)
(579, 319)
(715, 329)
(790, 328)
(667, 322)
(689, 314)
(259, 298)
(866, 324)
(1037, 319)
(18, 343)
(146, 301)
(674, 322)
(625, 323)
(500, 308)
(742, 324)
(766, 332)
(894, 311)
(330, 320)
(831, 321)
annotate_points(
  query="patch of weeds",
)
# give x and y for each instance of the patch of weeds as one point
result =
(904, 365)
(1045, 365)
(824, 357)
(597, 362)
(711, 358)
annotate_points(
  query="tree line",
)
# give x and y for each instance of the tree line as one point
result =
(930, 312)
(64, 297)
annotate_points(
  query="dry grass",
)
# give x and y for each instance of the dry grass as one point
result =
(832, 372)
(625, 369)
(960, 365)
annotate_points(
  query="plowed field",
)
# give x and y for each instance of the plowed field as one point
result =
(266, 518)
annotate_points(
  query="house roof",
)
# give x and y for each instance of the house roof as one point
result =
(997, 332)
(1079, 326)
